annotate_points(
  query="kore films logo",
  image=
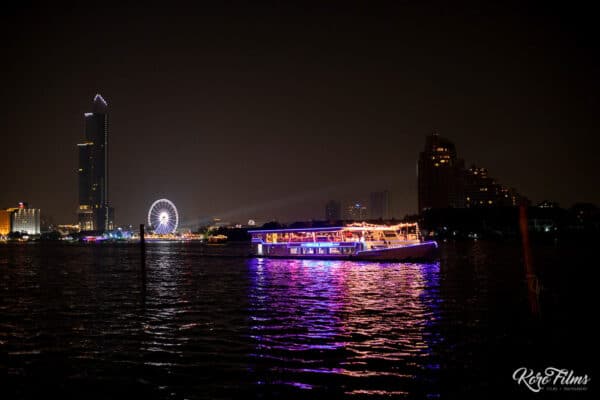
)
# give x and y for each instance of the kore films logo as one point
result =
(551, 380)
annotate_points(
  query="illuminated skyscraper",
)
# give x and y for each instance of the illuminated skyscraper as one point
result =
(94, 212)
(25, 219)
(441, 182)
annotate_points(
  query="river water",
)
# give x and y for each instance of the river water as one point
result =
(93, 321)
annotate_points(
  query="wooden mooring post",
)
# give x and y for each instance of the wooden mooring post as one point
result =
(142, 246)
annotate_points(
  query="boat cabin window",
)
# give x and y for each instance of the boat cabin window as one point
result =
(347, 250)
(410, 232)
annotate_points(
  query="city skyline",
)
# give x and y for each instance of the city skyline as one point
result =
(245, 117)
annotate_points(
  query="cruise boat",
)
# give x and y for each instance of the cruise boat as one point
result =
(357, 241)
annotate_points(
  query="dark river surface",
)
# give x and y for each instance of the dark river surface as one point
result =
(87, 321)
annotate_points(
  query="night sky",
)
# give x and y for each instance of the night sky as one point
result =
(267, 112)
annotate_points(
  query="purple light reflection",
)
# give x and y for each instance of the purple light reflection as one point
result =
(368, 321)
(295, 304)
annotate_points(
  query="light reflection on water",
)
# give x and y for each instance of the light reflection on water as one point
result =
(321, 319)
(90, 322)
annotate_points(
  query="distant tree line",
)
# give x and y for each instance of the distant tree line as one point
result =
(581, 221)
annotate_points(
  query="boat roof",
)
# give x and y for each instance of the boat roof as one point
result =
(349, 227)
(323, 229)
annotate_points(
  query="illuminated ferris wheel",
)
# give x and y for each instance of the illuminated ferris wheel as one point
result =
(163, 217)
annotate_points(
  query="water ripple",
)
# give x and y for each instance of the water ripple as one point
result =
(89, 319)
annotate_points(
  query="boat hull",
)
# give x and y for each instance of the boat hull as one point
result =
(419, 251)
(424, 251)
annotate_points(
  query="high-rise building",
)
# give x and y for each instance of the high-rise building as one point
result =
(481, 190)
(5, 222)
(445, 183)
(440, 180)
(25, 219)
(355, 210)
(94, 212)
(379, 205)
(333, 210)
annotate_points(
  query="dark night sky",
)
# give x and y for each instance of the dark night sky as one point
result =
(268, 112)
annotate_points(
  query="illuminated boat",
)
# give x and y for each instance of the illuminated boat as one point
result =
(217, 239)
(358, 241)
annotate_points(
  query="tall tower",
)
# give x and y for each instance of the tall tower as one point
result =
(94, 212)
(441, 182)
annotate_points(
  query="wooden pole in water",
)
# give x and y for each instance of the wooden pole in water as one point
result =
(142, 245)
(143, 265)
(533, 285)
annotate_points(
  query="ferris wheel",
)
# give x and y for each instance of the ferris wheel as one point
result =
(163, 217)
